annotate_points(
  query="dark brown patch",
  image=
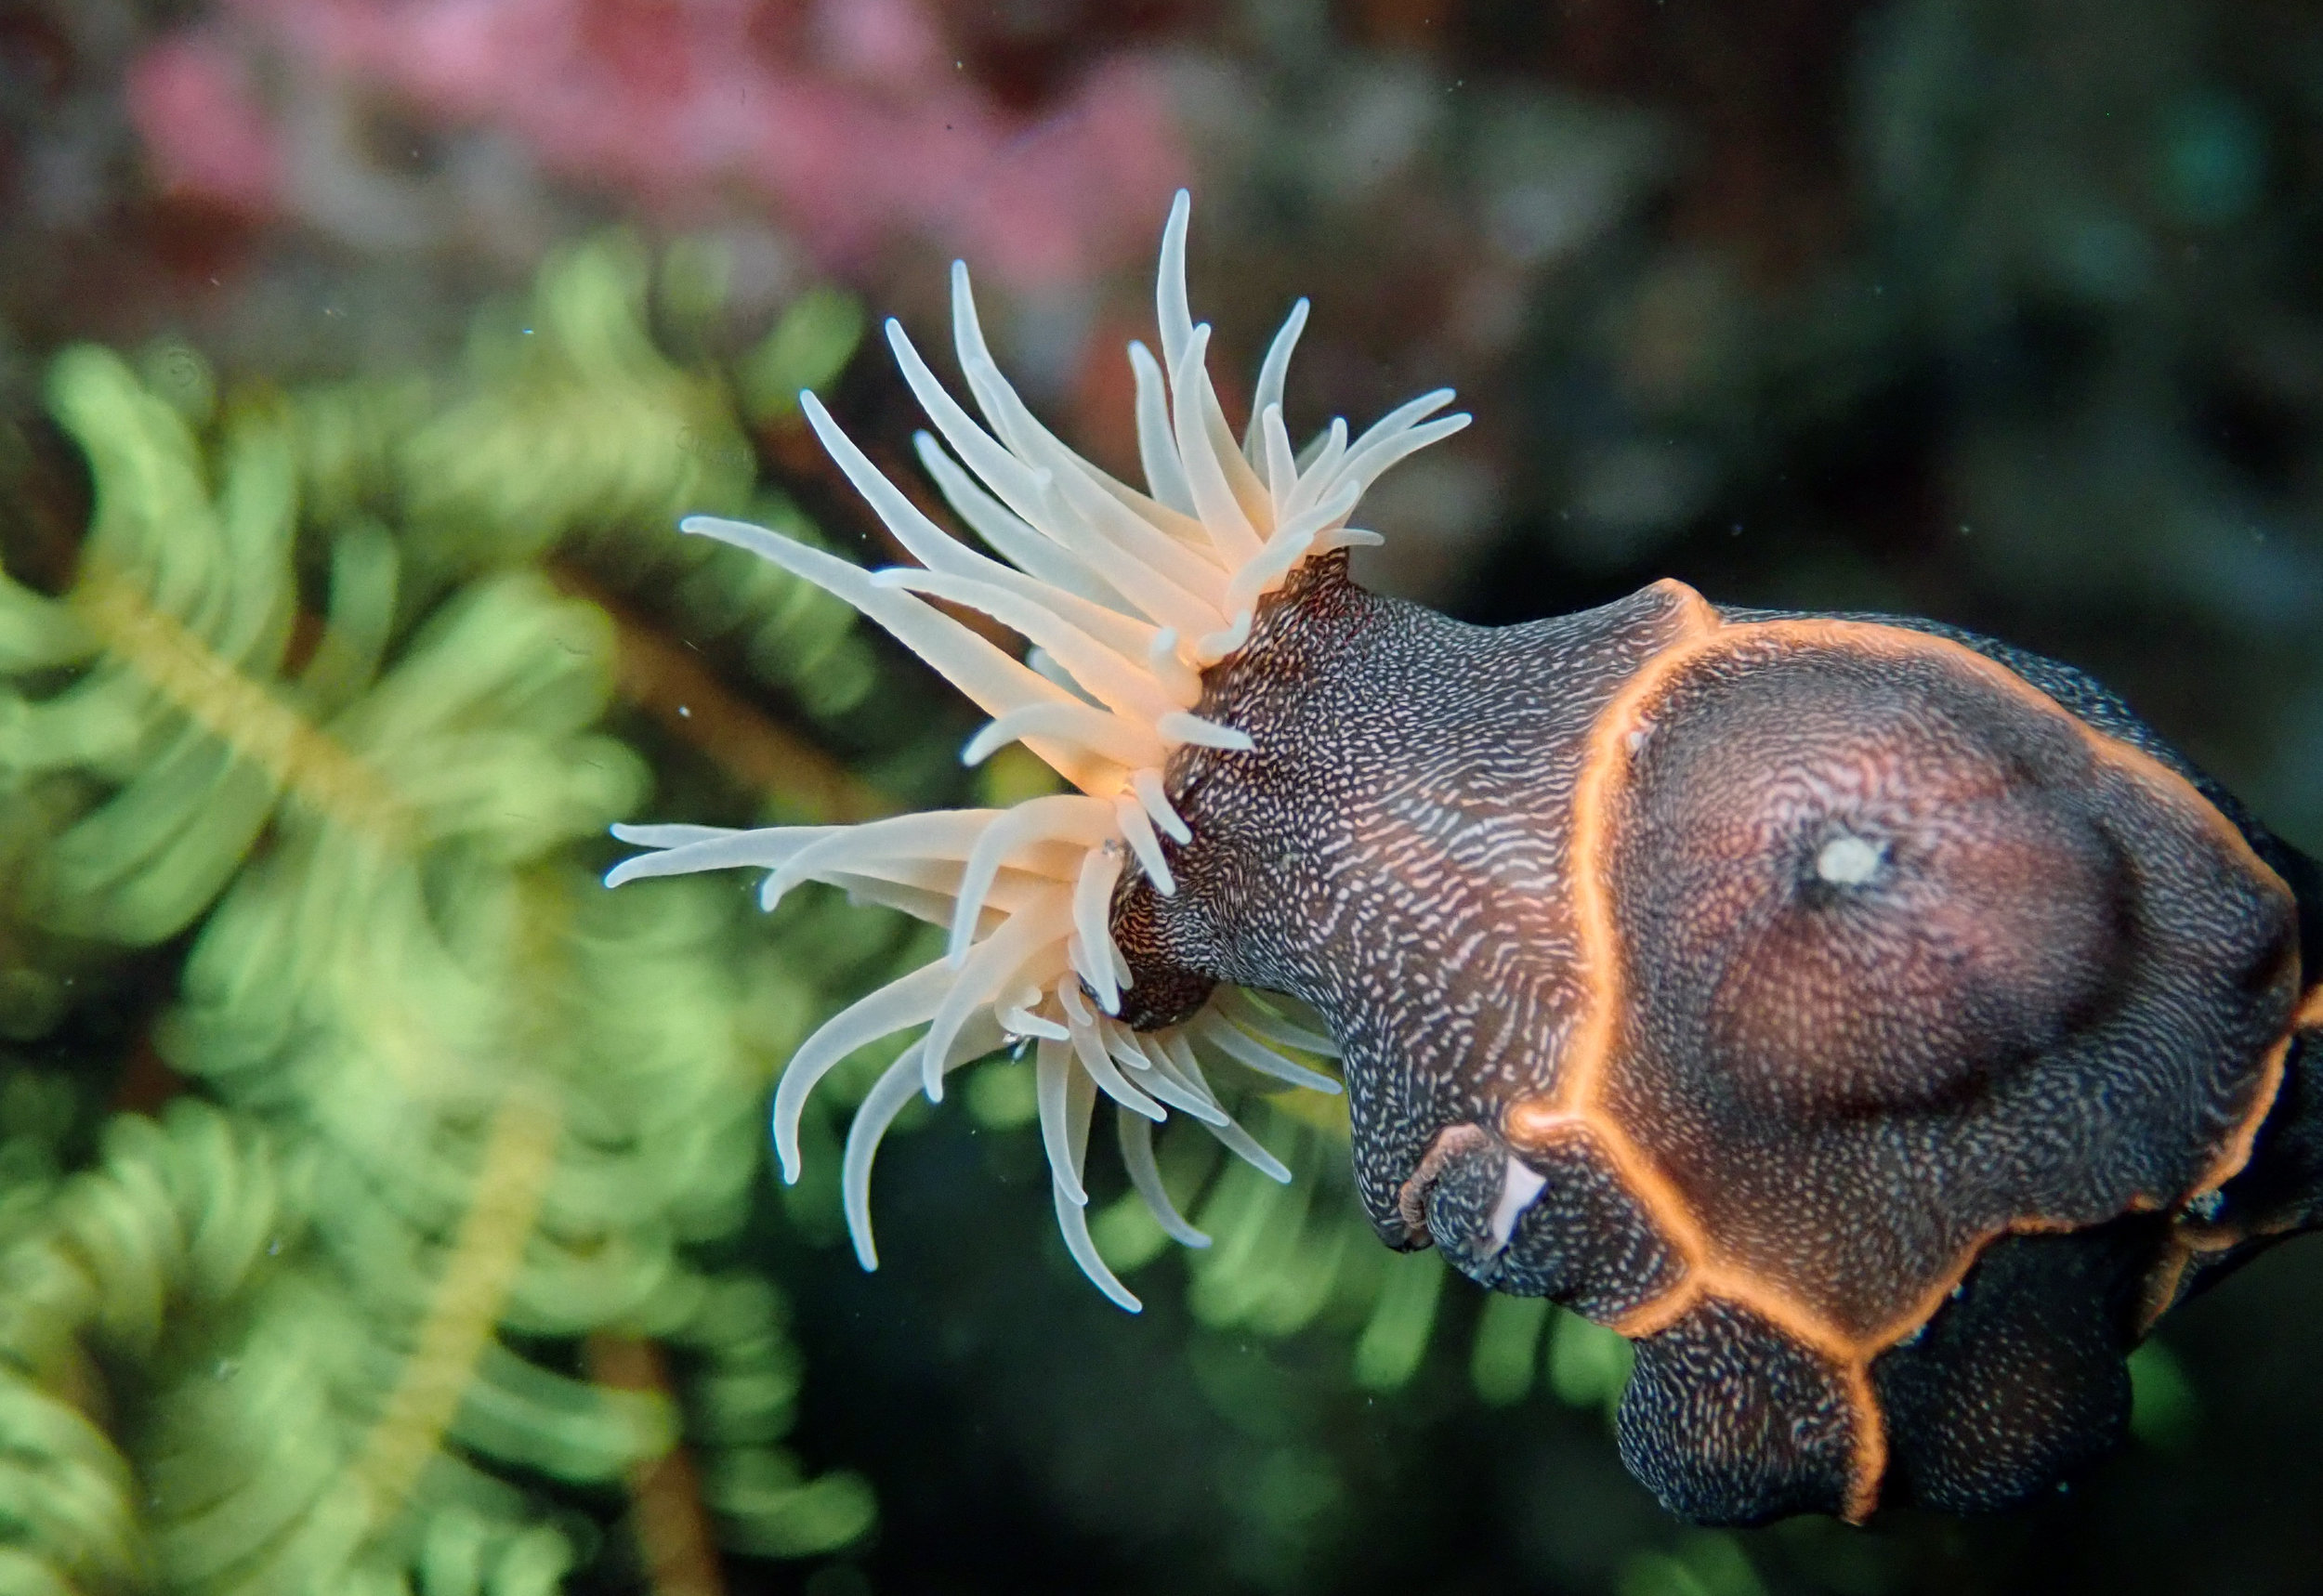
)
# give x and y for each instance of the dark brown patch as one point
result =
(1729, 1420)
(2019, 1381)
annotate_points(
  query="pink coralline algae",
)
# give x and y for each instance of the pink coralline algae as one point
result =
(849, 118)
(203, 128)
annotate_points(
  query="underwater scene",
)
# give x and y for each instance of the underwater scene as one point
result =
(1544, 774)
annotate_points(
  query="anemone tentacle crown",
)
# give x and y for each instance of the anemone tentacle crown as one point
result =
(1878, 1025)
(1126, 597)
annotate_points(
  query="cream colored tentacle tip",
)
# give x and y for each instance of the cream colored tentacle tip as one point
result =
(1126, 596)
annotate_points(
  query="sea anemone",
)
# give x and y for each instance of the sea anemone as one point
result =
(1127, 600)
(1870, 1020)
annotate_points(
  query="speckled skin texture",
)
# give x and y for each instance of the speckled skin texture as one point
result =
(1885, 1157)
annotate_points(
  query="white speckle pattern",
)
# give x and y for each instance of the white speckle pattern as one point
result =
(1127, 598)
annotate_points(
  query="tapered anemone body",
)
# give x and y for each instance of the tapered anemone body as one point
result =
(1844, 1010)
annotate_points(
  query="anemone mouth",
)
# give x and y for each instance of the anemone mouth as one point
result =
(1126, 597)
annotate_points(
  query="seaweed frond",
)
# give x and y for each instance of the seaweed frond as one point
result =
(320, 728)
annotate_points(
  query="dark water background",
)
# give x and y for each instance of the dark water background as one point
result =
(2005, 313)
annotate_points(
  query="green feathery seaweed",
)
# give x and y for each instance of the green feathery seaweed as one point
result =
(568, 430)
(182, 615)
(571, 419)
(369, 1313)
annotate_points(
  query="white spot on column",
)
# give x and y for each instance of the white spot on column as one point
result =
(1520, 1184)
(1849, 861)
